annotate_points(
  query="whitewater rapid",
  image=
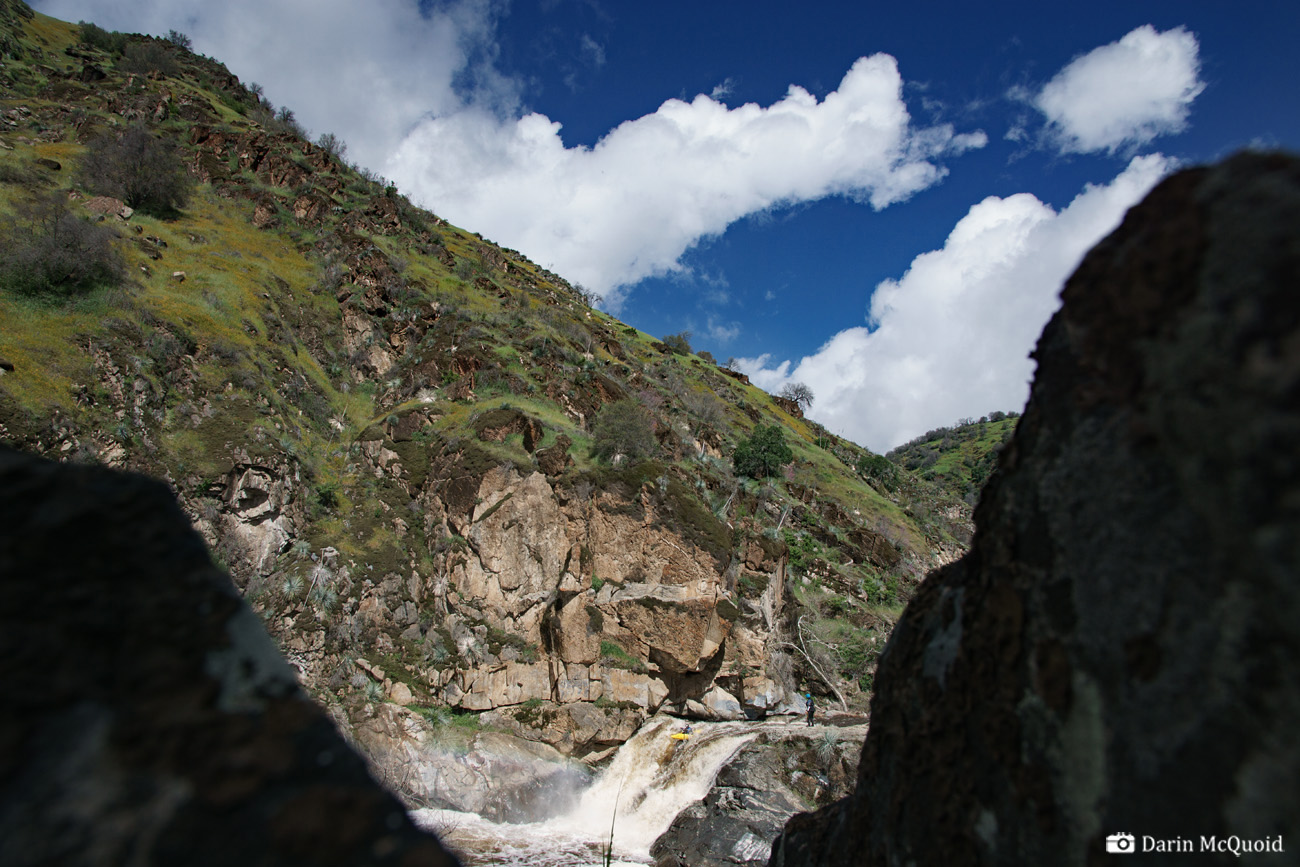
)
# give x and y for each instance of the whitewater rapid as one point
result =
(650, 780)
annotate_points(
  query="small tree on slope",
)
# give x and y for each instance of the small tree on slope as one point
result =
(763, 454)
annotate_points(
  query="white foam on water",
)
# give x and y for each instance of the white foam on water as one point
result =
(651, 779)
(481, 842)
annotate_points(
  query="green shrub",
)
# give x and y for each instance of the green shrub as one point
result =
(137, 168)
(325, 596)
(435, 716)
(763, 454)
(679, 343)
(143, 56)
(47, 250)
(467, 720)
(327, 495)
(802, 549)
(752, 586)
(97, 37)
(498, 640)
(826, 745)
(880, 469)
(624, 427)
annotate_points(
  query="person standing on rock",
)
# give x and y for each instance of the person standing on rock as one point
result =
(808, 703)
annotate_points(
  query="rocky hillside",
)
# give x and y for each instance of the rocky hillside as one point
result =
(959, 459)
(443, 479)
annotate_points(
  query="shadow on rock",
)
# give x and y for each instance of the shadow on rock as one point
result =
(149, 719)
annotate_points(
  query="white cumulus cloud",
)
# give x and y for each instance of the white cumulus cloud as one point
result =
(951, 338)
(631, 205)
(1124, 94)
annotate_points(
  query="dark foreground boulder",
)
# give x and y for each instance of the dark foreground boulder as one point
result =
(1119, 653)
(148, 718)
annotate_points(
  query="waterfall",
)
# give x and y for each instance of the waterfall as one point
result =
(653, 777)
(650, 780)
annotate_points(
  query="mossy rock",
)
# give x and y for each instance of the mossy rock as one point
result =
(701, 526)
(414, 456)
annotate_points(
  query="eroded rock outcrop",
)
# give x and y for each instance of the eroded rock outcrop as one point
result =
(548, 597)
(1117, 651)
(149, 718)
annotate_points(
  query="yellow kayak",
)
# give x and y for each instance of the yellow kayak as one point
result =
(679, 736)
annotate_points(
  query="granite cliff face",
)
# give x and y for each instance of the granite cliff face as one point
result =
(599, 607)
(1117, 651)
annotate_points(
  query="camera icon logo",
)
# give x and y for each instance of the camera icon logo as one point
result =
(1122, 843)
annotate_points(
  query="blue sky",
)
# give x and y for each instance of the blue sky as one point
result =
(892, 231)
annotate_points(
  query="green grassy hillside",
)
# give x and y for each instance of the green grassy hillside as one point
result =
(961, 458)
(299, 318)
